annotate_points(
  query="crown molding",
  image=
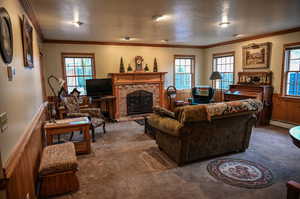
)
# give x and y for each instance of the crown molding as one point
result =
(119, 43)
(26, 4)
(270, 34)
(281, 32)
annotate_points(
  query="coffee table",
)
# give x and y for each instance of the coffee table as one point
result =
(70, 125)
(295, 135)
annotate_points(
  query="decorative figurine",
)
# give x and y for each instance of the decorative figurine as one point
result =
(138, 63)
(129, 68)
(155, 67)
(122, 68)
(146, 69)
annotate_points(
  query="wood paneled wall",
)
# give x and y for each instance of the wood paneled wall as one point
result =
(286, 109)
(21, 169)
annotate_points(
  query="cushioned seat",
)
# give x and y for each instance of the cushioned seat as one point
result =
(58, 158)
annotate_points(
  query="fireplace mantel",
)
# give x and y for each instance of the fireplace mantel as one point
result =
(129, 82)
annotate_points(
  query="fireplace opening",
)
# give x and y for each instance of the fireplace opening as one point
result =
(139, 102)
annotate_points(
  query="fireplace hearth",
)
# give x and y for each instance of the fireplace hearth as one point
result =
(139, 102)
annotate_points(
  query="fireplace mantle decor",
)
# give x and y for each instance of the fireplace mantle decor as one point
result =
(126, 83)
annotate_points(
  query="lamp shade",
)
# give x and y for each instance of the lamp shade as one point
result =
(215, 75)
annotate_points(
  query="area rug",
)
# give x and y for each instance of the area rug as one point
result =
(241, 173)
(140, 122)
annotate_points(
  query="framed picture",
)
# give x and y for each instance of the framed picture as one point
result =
(6, 36)
(27, 43)
(256, 56)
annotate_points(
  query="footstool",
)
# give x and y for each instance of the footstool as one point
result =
(57, 172)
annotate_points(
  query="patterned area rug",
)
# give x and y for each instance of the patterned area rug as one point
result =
(241, 173)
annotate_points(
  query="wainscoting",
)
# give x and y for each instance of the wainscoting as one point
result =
(21, 169)
(286, 109)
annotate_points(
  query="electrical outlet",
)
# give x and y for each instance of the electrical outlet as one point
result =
(3, 121)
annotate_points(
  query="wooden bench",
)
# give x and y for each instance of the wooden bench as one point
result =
(57, 172)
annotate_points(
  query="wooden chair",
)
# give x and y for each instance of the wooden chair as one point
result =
(293, 190)
(73, 109)
(171, 93)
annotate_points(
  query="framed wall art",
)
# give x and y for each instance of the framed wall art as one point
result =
(6, 36)
(256, 56)
(27, 32)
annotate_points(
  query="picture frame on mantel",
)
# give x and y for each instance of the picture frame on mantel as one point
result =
(256, 56)
(27, 40)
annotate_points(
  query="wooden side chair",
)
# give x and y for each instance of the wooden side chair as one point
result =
(171, 93)
(73, 109)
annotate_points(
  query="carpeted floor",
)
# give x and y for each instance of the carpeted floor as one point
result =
(127, 164)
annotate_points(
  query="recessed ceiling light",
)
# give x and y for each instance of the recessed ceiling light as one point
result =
(224, 24)
(127, 38)
(77, 23)
(159, 17)
(238, 35)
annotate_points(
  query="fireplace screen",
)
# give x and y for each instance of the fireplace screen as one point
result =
(139, 102)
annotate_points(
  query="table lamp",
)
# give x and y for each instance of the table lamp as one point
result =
(215, 75)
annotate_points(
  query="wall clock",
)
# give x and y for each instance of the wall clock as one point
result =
(6, 36)
(139, 63)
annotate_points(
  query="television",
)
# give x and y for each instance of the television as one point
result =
(99, 87)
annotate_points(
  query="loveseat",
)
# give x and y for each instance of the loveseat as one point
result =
(203, 131)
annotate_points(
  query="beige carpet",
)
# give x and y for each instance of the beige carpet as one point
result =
(126, 164)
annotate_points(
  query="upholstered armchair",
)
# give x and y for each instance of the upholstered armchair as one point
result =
(73, 109)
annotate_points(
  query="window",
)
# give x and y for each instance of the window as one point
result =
(292, 71)
(184, 71)
(224, 64)
(77, 69)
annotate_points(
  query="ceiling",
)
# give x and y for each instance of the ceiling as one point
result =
(188, 22)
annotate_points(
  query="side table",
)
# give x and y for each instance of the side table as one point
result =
(70, 125)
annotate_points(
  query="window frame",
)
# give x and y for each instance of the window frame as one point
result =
(193, 59)
(76, 55)
(220, 55)
(284, 71)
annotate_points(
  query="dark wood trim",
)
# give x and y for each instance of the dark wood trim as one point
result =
(26, 4)
(281, 32)
(70, 54)
(259, 36)
(193, 57)
(223, 54)
(119, 44)
(283, 72)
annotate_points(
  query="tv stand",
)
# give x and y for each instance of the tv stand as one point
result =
(107, 103)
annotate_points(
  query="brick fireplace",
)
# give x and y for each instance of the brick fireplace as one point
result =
(134, 92)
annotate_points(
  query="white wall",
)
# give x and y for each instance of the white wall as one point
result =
(21, 97)
(107, 58)
(276, 56)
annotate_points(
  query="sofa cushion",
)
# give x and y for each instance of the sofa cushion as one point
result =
(207, 111)
(163, 112)
(165, 124)
(248, 105)
(58, 158)
(191, 113)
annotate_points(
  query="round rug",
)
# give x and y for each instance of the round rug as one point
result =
(241, 173)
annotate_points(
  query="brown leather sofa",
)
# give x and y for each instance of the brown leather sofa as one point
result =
(203, 131)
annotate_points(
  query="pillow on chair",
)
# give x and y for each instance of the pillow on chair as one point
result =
(163, 112)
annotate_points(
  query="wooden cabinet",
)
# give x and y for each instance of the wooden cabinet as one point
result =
(286, 109)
